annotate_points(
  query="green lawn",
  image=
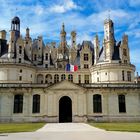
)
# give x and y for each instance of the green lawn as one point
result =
(130, 127)
(19, 127)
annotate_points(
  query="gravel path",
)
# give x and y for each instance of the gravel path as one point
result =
(70, 131)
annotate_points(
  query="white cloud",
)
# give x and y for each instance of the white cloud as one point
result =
(39, 10)
(69, 4)
(62, 8)
(57, 9)
(84, 36)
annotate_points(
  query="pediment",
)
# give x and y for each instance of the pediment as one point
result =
(65, 85)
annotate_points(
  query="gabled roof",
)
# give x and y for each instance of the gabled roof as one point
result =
(89, 43)
(65, 85)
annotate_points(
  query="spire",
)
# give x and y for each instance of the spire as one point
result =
(63, 26)
(63, 29)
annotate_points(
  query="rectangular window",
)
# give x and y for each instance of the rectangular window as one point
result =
(85, 57)
(19, 60)
(122, 106)
(35, 57)
(128, 75)
(124, 52)
(86, 79)
(97, 103)
(18, 103)
(46, 65)
(123, 75)
(125, 61)
(36, 104)
(20, 78)
(46, 57)
(79, 77)
(85, 66)
(20, 49)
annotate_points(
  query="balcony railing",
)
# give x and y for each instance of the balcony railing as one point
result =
(91, 85)
(111, 85)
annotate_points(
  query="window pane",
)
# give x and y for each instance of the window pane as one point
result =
(122, 107)
(36, 103)
(70, 77)
(18, 103)
(97, 104)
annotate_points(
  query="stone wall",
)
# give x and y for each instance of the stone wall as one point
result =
(82, 103)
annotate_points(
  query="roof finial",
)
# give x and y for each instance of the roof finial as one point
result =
(63, 26)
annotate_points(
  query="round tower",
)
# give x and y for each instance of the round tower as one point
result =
(14, 35)
(15, 26)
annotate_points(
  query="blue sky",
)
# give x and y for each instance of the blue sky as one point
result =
(45, 17)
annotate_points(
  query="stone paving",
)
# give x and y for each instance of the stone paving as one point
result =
(70, 131)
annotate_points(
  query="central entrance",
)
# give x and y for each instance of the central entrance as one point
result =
(65, 109)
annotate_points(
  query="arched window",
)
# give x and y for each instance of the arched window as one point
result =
(63, 77)
(40, 78)
(122, 106)
(18, 103)
(48, 79)
(36, 103)
(97, 103)
(70, 77)
(56, 78)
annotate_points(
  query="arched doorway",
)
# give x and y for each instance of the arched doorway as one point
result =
(65, 109)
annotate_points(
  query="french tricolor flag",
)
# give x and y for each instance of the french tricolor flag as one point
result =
(71, 68)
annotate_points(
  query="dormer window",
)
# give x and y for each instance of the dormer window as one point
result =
(85, 57)
(124, 52)
(85, 66)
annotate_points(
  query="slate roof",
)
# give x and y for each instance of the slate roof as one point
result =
(80, 47)
(4, 47)
(116, 54)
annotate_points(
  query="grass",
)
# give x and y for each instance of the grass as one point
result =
(19, 127)
(129, 127)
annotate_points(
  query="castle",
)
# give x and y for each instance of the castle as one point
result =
(35, 86)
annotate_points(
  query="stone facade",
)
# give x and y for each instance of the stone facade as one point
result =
(35, 86)
(81, 97)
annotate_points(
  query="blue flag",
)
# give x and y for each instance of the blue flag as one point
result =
(68, 67)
